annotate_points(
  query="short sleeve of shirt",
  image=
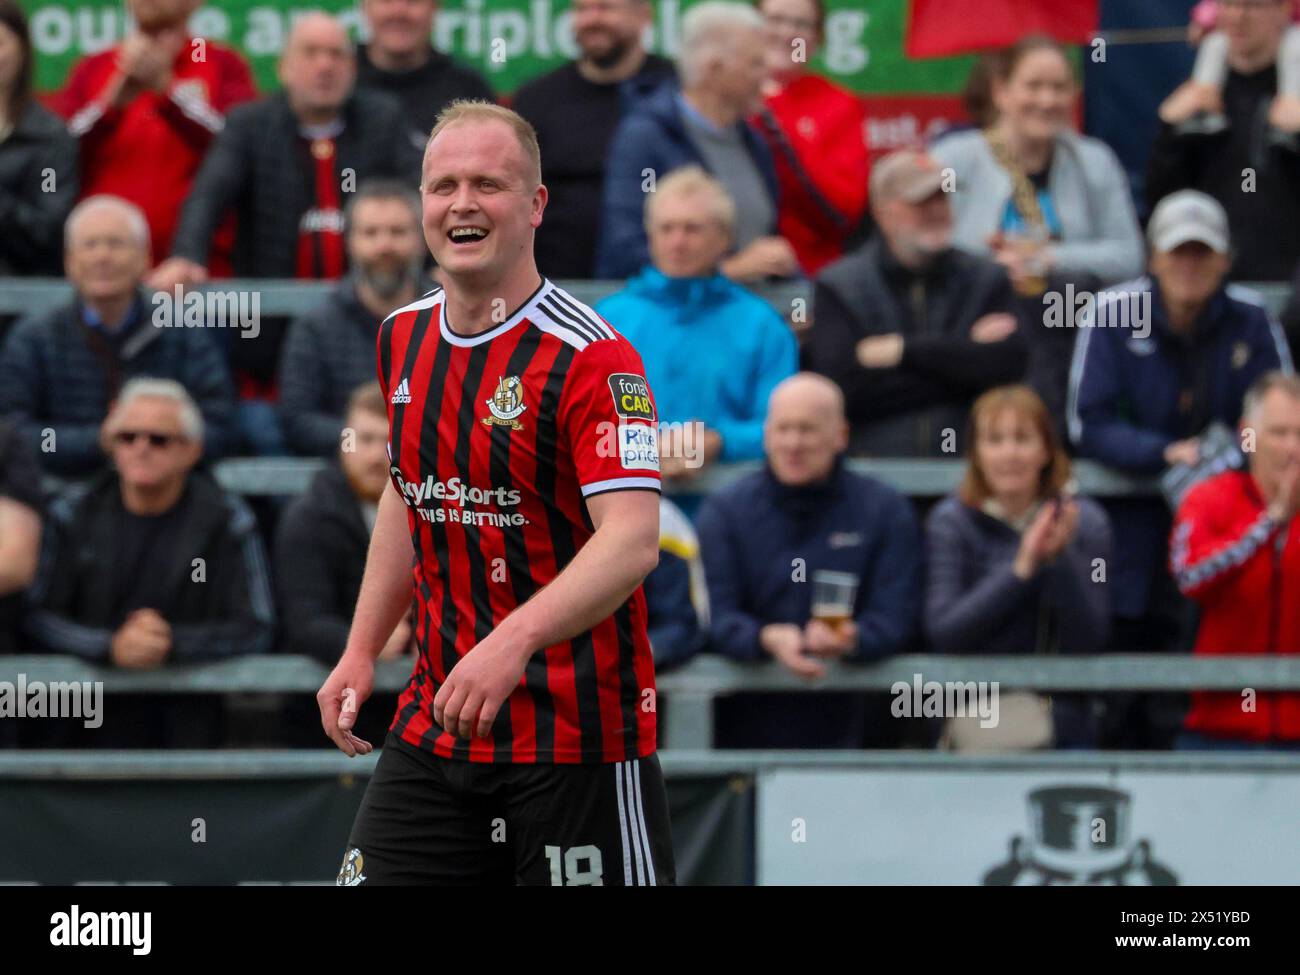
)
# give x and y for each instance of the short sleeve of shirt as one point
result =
(608, 415)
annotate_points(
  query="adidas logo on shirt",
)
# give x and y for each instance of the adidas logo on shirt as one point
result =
(402, 394)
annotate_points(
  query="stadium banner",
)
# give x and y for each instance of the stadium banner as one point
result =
(940, 27)
(510, 41)
(276, 829)
(1070, 826)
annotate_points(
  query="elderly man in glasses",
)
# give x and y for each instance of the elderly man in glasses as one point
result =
(152, 561)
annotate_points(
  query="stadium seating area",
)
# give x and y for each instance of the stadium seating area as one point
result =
(187, 324)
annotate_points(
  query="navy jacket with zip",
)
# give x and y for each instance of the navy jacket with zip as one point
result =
(1132, 394)
(751, 534)
(652, 136)
(51, 377)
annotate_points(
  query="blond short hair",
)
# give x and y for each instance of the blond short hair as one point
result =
(473, 110)
(693, 180)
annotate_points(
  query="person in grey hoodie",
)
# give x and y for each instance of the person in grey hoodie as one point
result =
(1013, 559)
(1031, 191)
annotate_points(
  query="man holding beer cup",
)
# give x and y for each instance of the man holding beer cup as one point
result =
(808, 563)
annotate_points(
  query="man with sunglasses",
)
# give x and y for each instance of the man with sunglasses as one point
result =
(152, 562)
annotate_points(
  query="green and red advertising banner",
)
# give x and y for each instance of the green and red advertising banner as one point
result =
(511, 41)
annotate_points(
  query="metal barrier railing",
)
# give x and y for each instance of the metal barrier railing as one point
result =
(677, 763)
(286, 476)
(288, 298)
(691, 689)
(919, 478)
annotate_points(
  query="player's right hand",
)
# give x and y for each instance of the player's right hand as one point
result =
(340, 699)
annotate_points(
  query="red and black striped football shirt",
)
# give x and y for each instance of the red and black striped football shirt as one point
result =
(495, 441)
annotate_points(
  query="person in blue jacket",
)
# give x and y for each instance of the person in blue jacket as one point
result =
(801, 524)
(722, 68)
(713, 351)
(1156, 361)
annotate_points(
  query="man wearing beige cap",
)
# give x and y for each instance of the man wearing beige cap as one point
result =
(910, 328)
(1158, 361)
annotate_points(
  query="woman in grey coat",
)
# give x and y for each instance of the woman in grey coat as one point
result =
(1015, 564)
(1032, 192)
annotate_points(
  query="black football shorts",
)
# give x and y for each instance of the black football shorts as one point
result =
(431, 820)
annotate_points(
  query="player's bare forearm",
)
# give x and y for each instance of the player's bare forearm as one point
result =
(386, 585)
(606, 570)
(385, 595)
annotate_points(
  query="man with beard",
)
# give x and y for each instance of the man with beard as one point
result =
(575, 110)
(331, 349)
(400, 60)
(911, 328)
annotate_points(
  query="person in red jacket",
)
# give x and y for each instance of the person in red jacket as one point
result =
(147, 109)
(1236, 552)
(817, 133)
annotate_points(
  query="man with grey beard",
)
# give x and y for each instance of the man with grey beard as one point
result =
(331, 350)
(911, 328)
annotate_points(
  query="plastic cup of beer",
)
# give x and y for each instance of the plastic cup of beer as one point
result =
(834, 594)
(1031, 248)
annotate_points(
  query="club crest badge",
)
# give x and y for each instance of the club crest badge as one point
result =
(506, 404)
(350, 874)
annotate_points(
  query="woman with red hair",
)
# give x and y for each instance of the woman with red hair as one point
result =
(1017, 565)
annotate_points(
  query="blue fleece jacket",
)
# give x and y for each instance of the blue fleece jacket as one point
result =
(652, 137)
(712, 351)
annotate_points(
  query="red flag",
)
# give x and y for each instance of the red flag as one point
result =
(937, 28)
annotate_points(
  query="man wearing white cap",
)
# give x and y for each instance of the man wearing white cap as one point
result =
(909, 327)
(1159, 360)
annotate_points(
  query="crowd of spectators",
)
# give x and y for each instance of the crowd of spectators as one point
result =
(931, 272)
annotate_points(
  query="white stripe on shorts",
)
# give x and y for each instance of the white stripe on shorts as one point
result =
(632, 825)
(622, 825)
(649, 860)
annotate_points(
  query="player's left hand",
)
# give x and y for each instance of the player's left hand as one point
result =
(470, 697)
